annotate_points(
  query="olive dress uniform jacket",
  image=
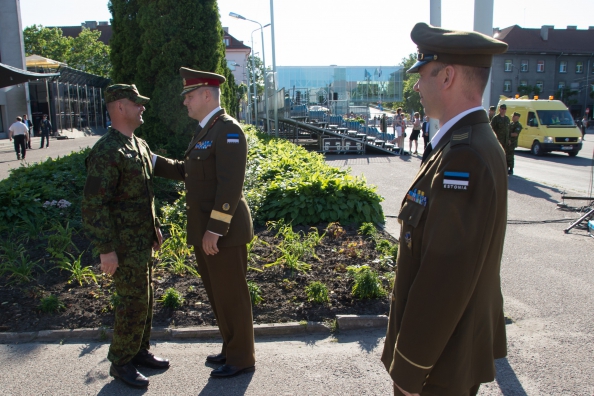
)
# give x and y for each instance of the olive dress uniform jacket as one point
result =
(213, 170)
(446, 322)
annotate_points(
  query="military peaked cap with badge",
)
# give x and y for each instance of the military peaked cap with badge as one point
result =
(124, 91)
(194, 79)
(446, 323)
(453, 47)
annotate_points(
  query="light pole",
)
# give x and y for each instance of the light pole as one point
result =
(274, 67)
(255, 86)
(234, 15)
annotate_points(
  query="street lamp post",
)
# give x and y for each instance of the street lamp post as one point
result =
(274, 67)
(234, 15)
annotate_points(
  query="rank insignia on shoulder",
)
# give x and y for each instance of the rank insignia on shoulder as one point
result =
(232, 138)
(455, 180)
(408, 240)
(203, 145)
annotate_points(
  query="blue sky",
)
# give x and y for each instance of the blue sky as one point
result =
(349, 32)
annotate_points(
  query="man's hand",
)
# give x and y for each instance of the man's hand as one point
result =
(209, 243)
(109, 263)
(157, 244)
(405, 393)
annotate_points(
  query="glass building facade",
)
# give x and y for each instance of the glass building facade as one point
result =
(338, 87)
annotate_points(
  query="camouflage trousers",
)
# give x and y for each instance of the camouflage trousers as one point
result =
(509, 156)
(134, 311)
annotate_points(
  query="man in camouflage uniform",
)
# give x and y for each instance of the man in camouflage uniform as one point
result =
(491, 112)
(118, 214)
(514, 132)
(500, 125)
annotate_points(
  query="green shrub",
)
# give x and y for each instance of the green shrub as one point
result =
(255, 293)
(20, 270)
(317, 292)
(367, 283)
(368, 229)
(174, 251)
(77, 272)
(387, 248)
(284, 181)
(172, 298)
(51, 304)
(60, 242)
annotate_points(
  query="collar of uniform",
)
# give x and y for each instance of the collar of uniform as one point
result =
(121, 135)
(446, 127)
(206, 119)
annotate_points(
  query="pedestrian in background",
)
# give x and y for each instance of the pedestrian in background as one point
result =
(584, 126)
(118, 213)
(29, 125)
(425, 128)
(45, 127)
(414, 135)
(219, 220)
(500, 124)
(446, 324)
(399, 128)
(19, 133)
(491, 112)
(514, 132)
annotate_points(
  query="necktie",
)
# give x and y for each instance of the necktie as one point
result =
(426, 153)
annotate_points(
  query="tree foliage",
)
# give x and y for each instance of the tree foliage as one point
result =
(151, 41)
(411, 101)
(84, 52)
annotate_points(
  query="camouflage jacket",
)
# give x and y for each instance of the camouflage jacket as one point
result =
(514, 127)
(500, 126)
(118, 210)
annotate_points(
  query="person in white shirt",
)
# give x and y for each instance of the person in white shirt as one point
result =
(19, 132)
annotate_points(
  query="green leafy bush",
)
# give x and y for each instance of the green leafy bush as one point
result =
(317, 292)
(77, 272)
(51, 304)
(255, 292)
(172, 298)
(284, 181)
(367, 283)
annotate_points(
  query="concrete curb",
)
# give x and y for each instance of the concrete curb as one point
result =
(343, 322)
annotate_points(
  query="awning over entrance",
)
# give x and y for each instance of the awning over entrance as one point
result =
(12, 76)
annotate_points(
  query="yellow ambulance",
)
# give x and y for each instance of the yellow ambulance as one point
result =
(547, 125)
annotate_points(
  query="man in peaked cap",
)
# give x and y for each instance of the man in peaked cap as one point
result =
(446, 322)
(118, 214)
(500, 124)
(219, 220)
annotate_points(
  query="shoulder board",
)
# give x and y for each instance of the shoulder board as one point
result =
(461, 136)
(226, 118)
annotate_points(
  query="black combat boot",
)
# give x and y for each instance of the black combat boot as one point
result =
(147, 359)
(129, 375)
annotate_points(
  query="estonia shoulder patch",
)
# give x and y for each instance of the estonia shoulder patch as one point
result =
(455, 180)
(232, 138)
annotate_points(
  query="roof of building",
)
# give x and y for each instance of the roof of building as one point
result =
(567, 41)
(234, 44)
(74, 31)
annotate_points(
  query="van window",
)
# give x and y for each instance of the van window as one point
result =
(555, 117)
(532, 119)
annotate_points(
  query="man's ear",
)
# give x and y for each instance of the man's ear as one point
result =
(449, 75)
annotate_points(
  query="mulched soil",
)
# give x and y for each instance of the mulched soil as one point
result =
(282, 290)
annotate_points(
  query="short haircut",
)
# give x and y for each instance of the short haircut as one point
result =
(216, 92)
(19, 119)
(398, 110)
(475, 79)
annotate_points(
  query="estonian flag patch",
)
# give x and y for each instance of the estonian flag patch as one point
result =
(455, 180)
(233, 138)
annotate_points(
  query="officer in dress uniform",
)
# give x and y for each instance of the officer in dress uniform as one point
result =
(514, 132)
(446, 323)
(500, 124)
(219, 220)
(118, 214)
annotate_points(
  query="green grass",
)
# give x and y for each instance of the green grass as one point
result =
(255, 292)
(172, 298)
(51, 304)
(367, 283)
(317, 292)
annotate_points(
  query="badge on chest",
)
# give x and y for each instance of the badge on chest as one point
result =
(203, 145)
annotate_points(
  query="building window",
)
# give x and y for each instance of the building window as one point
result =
(579, 67)
(561, 85)
(563, 67)
(226, 41)
(540, 86)
(524, 66)
(508, 65)
(507, 86)
(540, 66)
(523, 83)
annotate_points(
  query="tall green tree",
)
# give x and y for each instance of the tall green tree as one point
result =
(84, 52)
(160, 37)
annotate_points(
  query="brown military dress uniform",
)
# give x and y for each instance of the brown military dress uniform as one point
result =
(213, 170)
(446, 322)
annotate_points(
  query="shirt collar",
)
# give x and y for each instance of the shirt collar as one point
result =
(446, 127)
(209, 116)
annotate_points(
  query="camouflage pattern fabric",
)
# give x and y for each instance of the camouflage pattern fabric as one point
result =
(514, 127)
(500, 126)
(118, 215)
(134, 306)
(124, 91)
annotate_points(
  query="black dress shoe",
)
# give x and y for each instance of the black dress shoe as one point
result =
(129, 375)
(147, 359)
(218, 358)
(226, 371)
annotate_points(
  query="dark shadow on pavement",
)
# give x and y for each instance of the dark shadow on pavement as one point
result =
(533, 189)
(117, 387)
(228, 386)
(558, 158)
(89, 348)
(506, 378)
(367, 340)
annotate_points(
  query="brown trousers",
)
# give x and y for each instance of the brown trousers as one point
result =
(432, 390)
(223, 275)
